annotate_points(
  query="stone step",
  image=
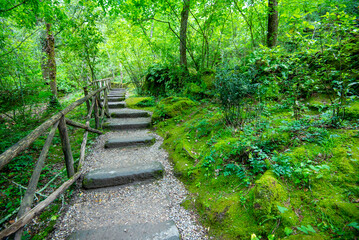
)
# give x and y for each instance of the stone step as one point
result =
(127, 123)
(108, 177)
(128, 113)
(118, 89)
(113, 105)
(131, 141)
(116, 95)
(141, 231)
(115, 99)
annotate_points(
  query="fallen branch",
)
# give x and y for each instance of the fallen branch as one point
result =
(23, 187)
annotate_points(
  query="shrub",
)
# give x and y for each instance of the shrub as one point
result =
(236, 94)
(162, 80)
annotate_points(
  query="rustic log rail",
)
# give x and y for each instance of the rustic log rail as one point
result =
(57, 121)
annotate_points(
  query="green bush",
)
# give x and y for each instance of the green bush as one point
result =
(163, 80)
(236, 94)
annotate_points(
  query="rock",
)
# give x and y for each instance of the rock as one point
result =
(268, 194)
(171, 107)
(108, 177)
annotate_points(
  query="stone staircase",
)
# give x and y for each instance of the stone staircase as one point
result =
(121, 199)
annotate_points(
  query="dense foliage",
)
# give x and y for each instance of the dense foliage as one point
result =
(268, 127)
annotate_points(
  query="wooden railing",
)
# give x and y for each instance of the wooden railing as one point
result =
(99, 89)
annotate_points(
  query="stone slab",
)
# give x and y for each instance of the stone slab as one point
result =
(132, 141)
(127, 123)
(128, 113)
(145, 231)
(115, 99)
(116, 95)
(109, 177)
(113, 105)
(118, 89)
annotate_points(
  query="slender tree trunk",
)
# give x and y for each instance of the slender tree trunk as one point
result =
(51, 62)
(44, 62)
(183, 33)
(272, 33)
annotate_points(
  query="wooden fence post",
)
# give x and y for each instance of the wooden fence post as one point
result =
(97, 120)
(28, 199)
(88, 101)
(66, 147)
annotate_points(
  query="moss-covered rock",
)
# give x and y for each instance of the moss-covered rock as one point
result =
(268, 194)
(318, 102)
(352, 111)
(208, 78)
(172, 107)
(140, 102)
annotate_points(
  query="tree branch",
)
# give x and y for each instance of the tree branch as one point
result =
(9, 9)
(20, 43)
(170, 27)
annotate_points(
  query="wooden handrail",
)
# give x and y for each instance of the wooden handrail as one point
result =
(56, 121)
(96, 81)
(24, 143)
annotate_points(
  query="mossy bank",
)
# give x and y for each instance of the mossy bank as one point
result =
(274, 178)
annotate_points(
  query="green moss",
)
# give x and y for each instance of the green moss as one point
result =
(194, 88)
(232, 211)
(140, 102)
(225, 145)
(172, 107)
(318, 102)
(268, 194)
(352, 111)
(208, 78)
(316, 236)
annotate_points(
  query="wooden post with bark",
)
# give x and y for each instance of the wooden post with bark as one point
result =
(28, 199)
(57, 121)
(88, 101)
(97, 119)
(66, 147)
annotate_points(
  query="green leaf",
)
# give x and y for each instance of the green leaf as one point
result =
(282, 209)
(310, 228)
(288, 231)
(354, 225)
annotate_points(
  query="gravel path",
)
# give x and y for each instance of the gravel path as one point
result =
(144, 202)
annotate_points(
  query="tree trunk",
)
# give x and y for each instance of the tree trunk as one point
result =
(44, 67)
(183, 33)
(51, 62)
(272, 33)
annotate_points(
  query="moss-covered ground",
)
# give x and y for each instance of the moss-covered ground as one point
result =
(273, 178)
